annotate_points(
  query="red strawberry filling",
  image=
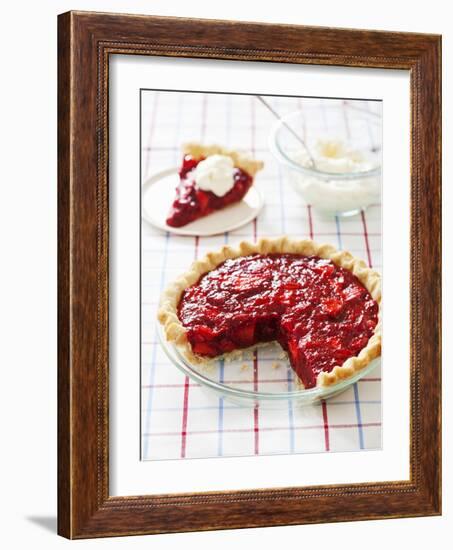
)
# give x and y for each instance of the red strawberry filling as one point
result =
(192, 203)
(320, 313)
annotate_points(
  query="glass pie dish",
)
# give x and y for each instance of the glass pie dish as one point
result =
(345, 146)
(262, 378)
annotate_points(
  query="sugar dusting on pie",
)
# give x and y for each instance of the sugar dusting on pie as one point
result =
(211, 178)
(321, 305)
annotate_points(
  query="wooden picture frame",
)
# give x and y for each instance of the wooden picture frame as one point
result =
(85, 42)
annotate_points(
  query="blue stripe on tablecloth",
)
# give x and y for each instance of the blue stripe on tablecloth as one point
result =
(292, 445)
(152, 370)
(221, 403)
(337, 224)
(356, 388)
(359, 415)
(221, 409)
(228, 123)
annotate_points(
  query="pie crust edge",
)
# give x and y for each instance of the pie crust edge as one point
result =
(371, 279)
(241, 160)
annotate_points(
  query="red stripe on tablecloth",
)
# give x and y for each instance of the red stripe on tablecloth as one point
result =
(324, 405)
(253, 124)
(326, 426)
(253, 148)
(310, 221)
(185, 406)
(204, 108)
(367, 243)
(184, 418)
(256, 409)
(304, 123)
(346, 121)
(197, 246)
(151, 131)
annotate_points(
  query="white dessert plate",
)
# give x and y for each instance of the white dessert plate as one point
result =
(158, 193)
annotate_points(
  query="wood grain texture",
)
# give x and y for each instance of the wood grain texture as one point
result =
(85, 42)
(64, 389)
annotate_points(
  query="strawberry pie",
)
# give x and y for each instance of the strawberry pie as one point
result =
(321, 305)
(211, 178)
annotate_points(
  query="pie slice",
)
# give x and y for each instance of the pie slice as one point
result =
(321, 305)
(205, 187)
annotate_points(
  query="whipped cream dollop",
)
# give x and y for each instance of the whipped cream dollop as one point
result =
(215, 174)
(335, 157)
(331, 194)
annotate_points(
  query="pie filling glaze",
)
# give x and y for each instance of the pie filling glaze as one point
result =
(323, 306)
(192, 203)
(319, 312)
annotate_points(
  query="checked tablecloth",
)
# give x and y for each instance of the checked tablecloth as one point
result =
(179, 418)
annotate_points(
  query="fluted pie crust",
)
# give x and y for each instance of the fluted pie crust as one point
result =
(176, 333)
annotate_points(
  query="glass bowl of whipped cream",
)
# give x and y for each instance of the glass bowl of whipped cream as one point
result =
(331, 156)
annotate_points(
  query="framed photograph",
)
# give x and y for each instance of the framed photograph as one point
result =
(249, 275)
